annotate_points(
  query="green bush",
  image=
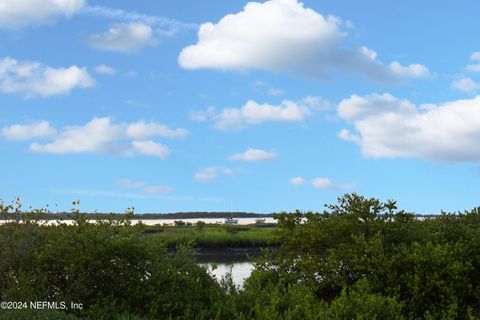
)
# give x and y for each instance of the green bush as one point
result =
(109, 266)
(35, 315)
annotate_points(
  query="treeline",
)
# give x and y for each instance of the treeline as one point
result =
(201, 215)
(359, 259)
(176, 215)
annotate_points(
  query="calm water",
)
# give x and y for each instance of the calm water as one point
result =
(152, 222)
(239, 271)
(242, 221)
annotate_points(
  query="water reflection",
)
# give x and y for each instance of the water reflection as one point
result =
(239, 271)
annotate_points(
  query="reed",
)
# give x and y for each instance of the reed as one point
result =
(216, 235)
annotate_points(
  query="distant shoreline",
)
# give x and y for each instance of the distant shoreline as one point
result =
(155, 216)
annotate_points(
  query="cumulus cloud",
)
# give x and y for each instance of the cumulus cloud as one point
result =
(202, 115)
(163, 25)
(97, 136)
(105, 70)
(143, 187)
(237, 40)
(16, 14)
(151, 148)
(297, 181)
(275, 92)
(212, 173)
(142, 129)
(319, 183)
(35, 79)
(411, 71)
(254, 155)
(130, 184)
(385, 126)
(284, 36)
(357, 107)
(254, 113)
(124, 37)
(100, 136)
(466, 85)
(263, 87)
(28, 131)
(474, 67)
(322, 183)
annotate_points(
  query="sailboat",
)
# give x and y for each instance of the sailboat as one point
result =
(231, 220)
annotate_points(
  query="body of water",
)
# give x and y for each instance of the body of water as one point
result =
(239, 271)
(241, 221)
(152, 222)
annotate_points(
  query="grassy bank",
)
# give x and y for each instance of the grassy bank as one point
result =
(216, 236)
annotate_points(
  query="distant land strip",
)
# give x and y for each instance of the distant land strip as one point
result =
(154, 216)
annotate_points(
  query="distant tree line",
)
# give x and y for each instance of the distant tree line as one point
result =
(176, 215)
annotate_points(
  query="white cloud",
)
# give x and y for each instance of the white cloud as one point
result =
(130, 184)
(29, 131)
(317, 103)
(254, 113)
(156, 189)
(297, 181)
(124, 37)
(386, 126)
(105, 70)
(475, 56)
(346, 135)
(97, 136)
(473, 67)
(35, 79)
(151, 148)
(275, 92)
(16, 14)
(212, 173)
(131, 74)
(270, 35)
(284, 36)
(254, 155)
(163, 26)
(141, 129)
(322, 183)
(261, 86)
(357, 107)
(466, 85)
(202, 115)
(410, 71)
(144, 187)
(100, 136)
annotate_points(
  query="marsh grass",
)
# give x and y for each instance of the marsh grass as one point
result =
(209, 235)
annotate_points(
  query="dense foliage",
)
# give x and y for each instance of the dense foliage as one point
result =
(109, 266)
(359, 259)
(367, 260)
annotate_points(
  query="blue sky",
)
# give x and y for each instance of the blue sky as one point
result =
(235, 105)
